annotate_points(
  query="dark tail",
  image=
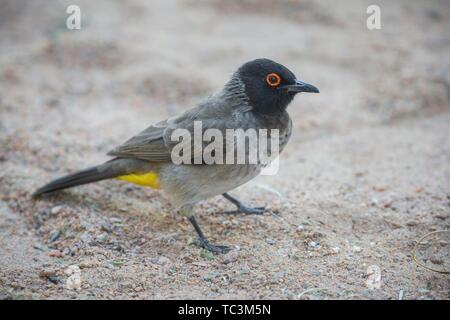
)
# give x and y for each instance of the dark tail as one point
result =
(102, 172)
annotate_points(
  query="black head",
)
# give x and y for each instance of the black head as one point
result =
(270, 86)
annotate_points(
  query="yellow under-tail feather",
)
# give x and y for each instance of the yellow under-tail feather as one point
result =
(149, 179)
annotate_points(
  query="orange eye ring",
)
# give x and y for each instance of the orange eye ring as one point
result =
(273, 79)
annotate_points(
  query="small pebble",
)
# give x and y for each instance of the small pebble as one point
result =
(55, 235)
(313, 244)
(230, 257)
(56, 210)
(53, 279)
(412, 223)
(47, 272)
(102, 237)
(373, 280)
(88, 263)
(437, 261)
(73, 282)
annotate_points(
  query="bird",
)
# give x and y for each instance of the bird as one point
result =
(255, 97)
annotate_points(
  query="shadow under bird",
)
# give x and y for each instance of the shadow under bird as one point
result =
(256, 97)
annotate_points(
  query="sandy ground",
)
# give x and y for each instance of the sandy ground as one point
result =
(365, 175)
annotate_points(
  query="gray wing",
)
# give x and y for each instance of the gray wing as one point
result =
(154, 143)
(147, 145)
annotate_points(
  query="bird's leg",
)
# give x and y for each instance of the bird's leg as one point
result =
(203, 242)
(241, 207)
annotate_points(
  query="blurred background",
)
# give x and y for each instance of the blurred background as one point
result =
(366, 173)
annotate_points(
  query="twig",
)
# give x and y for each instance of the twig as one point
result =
(421, 263)
(310, 290)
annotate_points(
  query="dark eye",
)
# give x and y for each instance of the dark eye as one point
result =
(273, 79)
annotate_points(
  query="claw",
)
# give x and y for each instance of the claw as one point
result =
(216, 249)
(241, 207)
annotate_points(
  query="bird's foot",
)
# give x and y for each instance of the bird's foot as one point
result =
(241, 208)
(216, 249)
(248, 210)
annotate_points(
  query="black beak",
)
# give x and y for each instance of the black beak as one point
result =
(301, 86)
